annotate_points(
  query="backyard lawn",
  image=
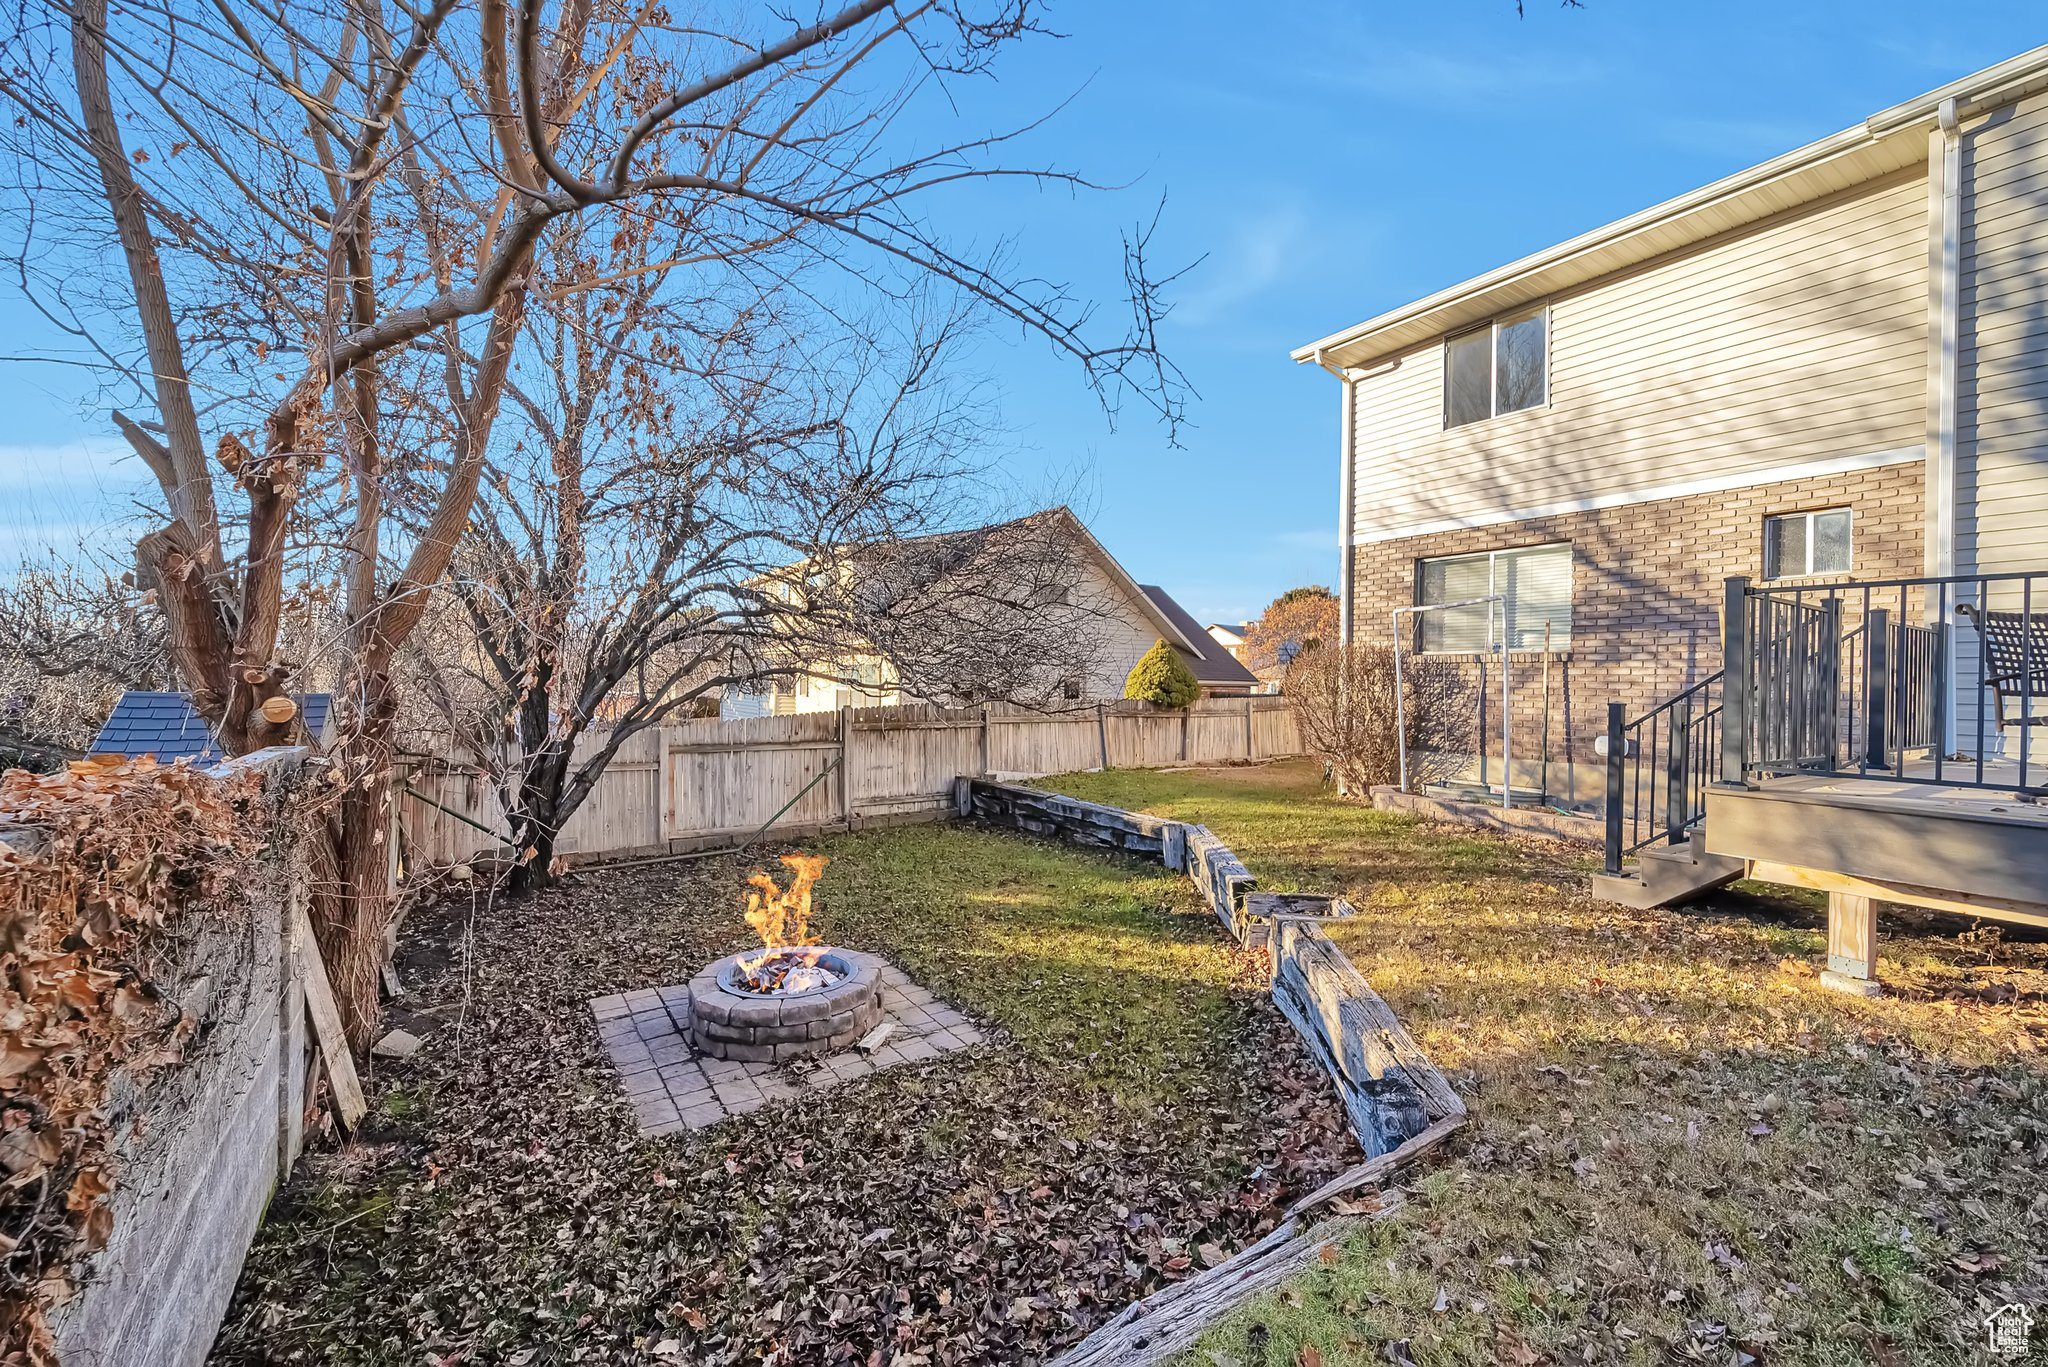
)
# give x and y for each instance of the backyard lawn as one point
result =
(1139, 1111)
(1681, 1149)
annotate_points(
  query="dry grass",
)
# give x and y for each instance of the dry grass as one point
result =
(1682, 1150)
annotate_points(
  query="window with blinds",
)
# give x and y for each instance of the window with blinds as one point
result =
(1534, 583)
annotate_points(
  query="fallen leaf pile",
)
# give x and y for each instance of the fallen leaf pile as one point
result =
(1141, 1112)
(102, 855)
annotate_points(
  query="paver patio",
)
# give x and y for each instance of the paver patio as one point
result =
(672, 1087)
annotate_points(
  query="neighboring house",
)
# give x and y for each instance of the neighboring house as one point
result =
(1231, 636)
(1828, 370)
(1219, 672)
(165, 726)
(1105, 621)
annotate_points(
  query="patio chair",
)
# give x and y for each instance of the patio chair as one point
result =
(2005, 639)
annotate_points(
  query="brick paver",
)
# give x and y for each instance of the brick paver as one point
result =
(672, 1087)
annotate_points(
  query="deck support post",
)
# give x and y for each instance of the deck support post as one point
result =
(1852, 945)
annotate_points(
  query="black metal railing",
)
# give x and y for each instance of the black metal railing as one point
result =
(1659, 768)
(1926, 680)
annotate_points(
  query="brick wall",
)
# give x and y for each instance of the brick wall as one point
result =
(1646, 596)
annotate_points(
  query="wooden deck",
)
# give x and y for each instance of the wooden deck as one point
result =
(1864, 841)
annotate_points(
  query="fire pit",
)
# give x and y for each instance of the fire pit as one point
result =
(792, 997)
(822, 999)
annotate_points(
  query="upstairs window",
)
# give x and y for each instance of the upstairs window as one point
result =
(1535, 581)
(1503, 367)
(1799, 544)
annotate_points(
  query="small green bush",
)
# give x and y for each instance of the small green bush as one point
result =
(1162, 677)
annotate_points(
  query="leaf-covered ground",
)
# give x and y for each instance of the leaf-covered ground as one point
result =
(1682, 1150)
(1143, 1111)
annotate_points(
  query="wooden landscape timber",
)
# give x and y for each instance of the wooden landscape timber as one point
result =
(1391, 1091)
(1168, 1322)
(1224, 881)
(1270, 905)
(1400, 1107)
(1058, 817)
(1165, 1324)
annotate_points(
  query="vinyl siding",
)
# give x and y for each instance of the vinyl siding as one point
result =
(1801, 339)
(2002, 402)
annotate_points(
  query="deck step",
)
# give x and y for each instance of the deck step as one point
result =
(1669, 874)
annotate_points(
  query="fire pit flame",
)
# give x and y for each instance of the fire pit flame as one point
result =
(782, 918)
(792, 998)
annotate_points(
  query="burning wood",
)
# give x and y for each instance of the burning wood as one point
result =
(788, 961)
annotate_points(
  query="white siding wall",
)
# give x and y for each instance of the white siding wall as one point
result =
(1800, 340)
(2002, 401)
(2002, 382)
(1122, 629)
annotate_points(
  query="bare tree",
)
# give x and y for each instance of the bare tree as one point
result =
(72, 640)
(756, 499)
(323, 210)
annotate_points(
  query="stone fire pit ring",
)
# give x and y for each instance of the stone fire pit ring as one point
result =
(729, 1022)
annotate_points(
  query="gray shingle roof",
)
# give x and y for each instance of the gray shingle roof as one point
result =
(164, 725)
(1214, 667)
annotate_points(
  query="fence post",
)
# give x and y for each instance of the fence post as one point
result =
(397, 857)
(1185, 713)
(846, 765)
(1677, 766)
(1617, 738)
(1736, 684)
(1251, 749)
(1102, 732)
(988, 752)
(1877, 687)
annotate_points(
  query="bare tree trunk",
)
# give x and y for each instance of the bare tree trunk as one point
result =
(352, 903)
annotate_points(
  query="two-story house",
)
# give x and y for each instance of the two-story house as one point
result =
(1834, 364)
(1766, 465)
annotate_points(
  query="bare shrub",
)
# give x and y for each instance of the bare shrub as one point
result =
(1350, 724)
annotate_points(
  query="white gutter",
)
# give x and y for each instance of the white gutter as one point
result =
(1347, 492)
(1945, 293)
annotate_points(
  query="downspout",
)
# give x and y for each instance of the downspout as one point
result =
(1944, 325)
(1347, 483)
(1944, 297)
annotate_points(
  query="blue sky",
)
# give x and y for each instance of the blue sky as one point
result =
(1326, 161)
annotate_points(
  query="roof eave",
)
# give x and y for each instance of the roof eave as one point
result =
(1168, 632)
(1886, 142)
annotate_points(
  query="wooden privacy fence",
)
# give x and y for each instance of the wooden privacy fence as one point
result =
(711, 782)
